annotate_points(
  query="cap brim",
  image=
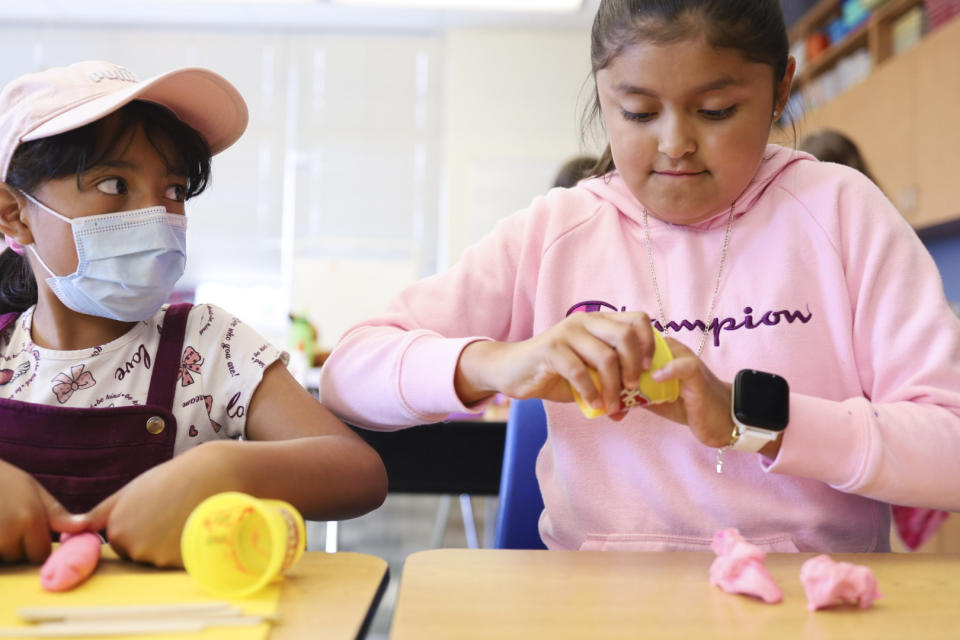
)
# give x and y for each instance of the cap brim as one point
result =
(201, 98)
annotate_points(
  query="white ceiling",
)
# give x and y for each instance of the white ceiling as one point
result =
(309, 15)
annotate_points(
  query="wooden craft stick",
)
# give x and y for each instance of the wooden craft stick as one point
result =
(104, 628)
(46, 614)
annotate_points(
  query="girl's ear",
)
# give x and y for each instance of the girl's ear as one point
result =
(783, 87)
(11, 215)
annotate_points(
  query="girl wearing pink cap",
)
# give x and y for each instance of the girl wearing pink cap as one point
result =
(105, 390)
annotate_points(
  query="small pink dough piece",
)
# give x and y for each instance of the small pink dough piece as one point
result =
(828, 583)
(72, 562)
(739, 568)
(725, 540)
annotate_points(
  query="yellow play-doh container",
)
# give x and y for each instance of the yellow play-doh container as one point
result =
(649, 391)
(234, 544)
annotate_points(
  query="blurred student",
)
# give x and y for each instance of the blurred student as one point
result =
(832, 146)
(574, 170)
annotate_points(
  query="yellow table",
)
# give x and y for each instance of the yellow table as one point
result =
(323, 595)
(463, 594)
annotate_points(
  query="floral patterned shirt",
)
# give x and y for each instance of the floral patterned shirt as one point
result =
(221, 365)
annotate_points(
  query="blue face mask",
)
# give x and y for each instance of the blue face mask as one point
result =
(128, 262)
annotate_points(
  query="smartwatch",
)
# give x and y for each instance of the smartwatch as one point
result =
(760, 409)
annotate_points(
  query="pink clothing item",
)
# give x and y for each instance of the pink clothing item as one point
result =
(739, 568)
(72, 562)
(824, 284)
(915, 526)
(59, 99)
(14, 246)
(828, 583)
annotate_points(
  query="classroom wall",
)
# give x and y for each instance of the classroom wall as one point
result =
(508, 117)
(512, 103)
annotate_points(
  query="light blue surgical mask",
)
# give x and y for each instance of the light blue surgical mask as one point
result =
(128, 262)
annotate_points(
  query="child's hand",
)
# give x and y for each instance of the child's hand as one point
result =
(144, 519)
(27, 515)
(704, 403)
(618, 346)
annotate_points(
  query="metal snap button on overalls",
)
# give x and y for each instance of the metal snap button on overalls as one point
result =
(155, 425)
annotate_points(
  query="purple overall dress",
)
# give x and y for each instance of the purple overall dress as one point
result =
(82, 456)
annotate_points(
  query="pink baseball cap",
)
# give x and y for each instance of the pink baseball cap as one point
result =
(59, 99)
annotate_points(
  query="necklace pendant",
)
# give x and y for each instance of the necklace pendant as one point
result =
(720, 460)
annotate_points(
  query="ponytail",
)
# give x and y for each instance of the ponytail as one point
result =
(18, 289)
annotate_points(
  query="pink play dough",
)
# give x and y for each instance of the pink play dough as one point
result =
(739, 568)
(828, 583)
(72, 562)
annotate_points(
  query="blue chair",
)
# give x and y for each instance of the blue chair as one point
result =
(520, 502)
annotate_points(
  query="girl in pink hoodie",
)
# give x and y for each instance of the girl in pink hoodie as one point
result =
(748, 256)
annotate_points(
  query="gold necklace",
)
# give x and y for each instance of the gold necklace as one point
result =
(713, 301)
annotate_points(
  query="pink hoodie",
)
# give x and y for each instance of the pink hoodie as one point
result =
(825, 284)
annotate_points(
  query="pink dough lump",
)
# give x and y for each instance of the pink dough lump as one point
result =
(828, 583)
(739, 568)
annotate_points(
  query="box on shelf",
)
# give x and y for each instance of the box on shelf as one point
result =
(908, 30)
(940, 12)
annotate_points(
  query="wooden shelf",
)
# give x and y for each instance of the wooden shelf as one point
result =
(818, 15)
(900, 116)
(875, 34)
(854, 40)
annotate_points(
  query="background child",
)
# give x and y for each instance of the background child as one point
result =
(749, 256)
(832, 146)
(105, 393)
(574, 170)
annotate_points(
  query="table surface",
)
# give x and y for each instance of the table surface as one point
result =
(329, 595)
(458, 593)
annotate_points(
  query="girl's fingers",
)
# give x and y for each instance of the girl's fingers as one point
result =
(684, 366)
(677, 369)
(678, 349)
(631, 335)
(604, 360)
(573, 369)
(620, 349)
(616, 347)
(58, 518)
(97, 518)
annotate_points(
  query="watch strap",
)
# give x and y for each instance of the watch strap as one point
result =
(751, 438)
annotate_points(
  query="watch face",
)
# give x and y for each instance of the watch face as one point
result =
(761, 400)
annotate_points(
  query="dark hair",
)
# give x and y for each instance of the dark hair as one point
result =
(833, 146)
(755, 28)
(574, 170)
(73, 152)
